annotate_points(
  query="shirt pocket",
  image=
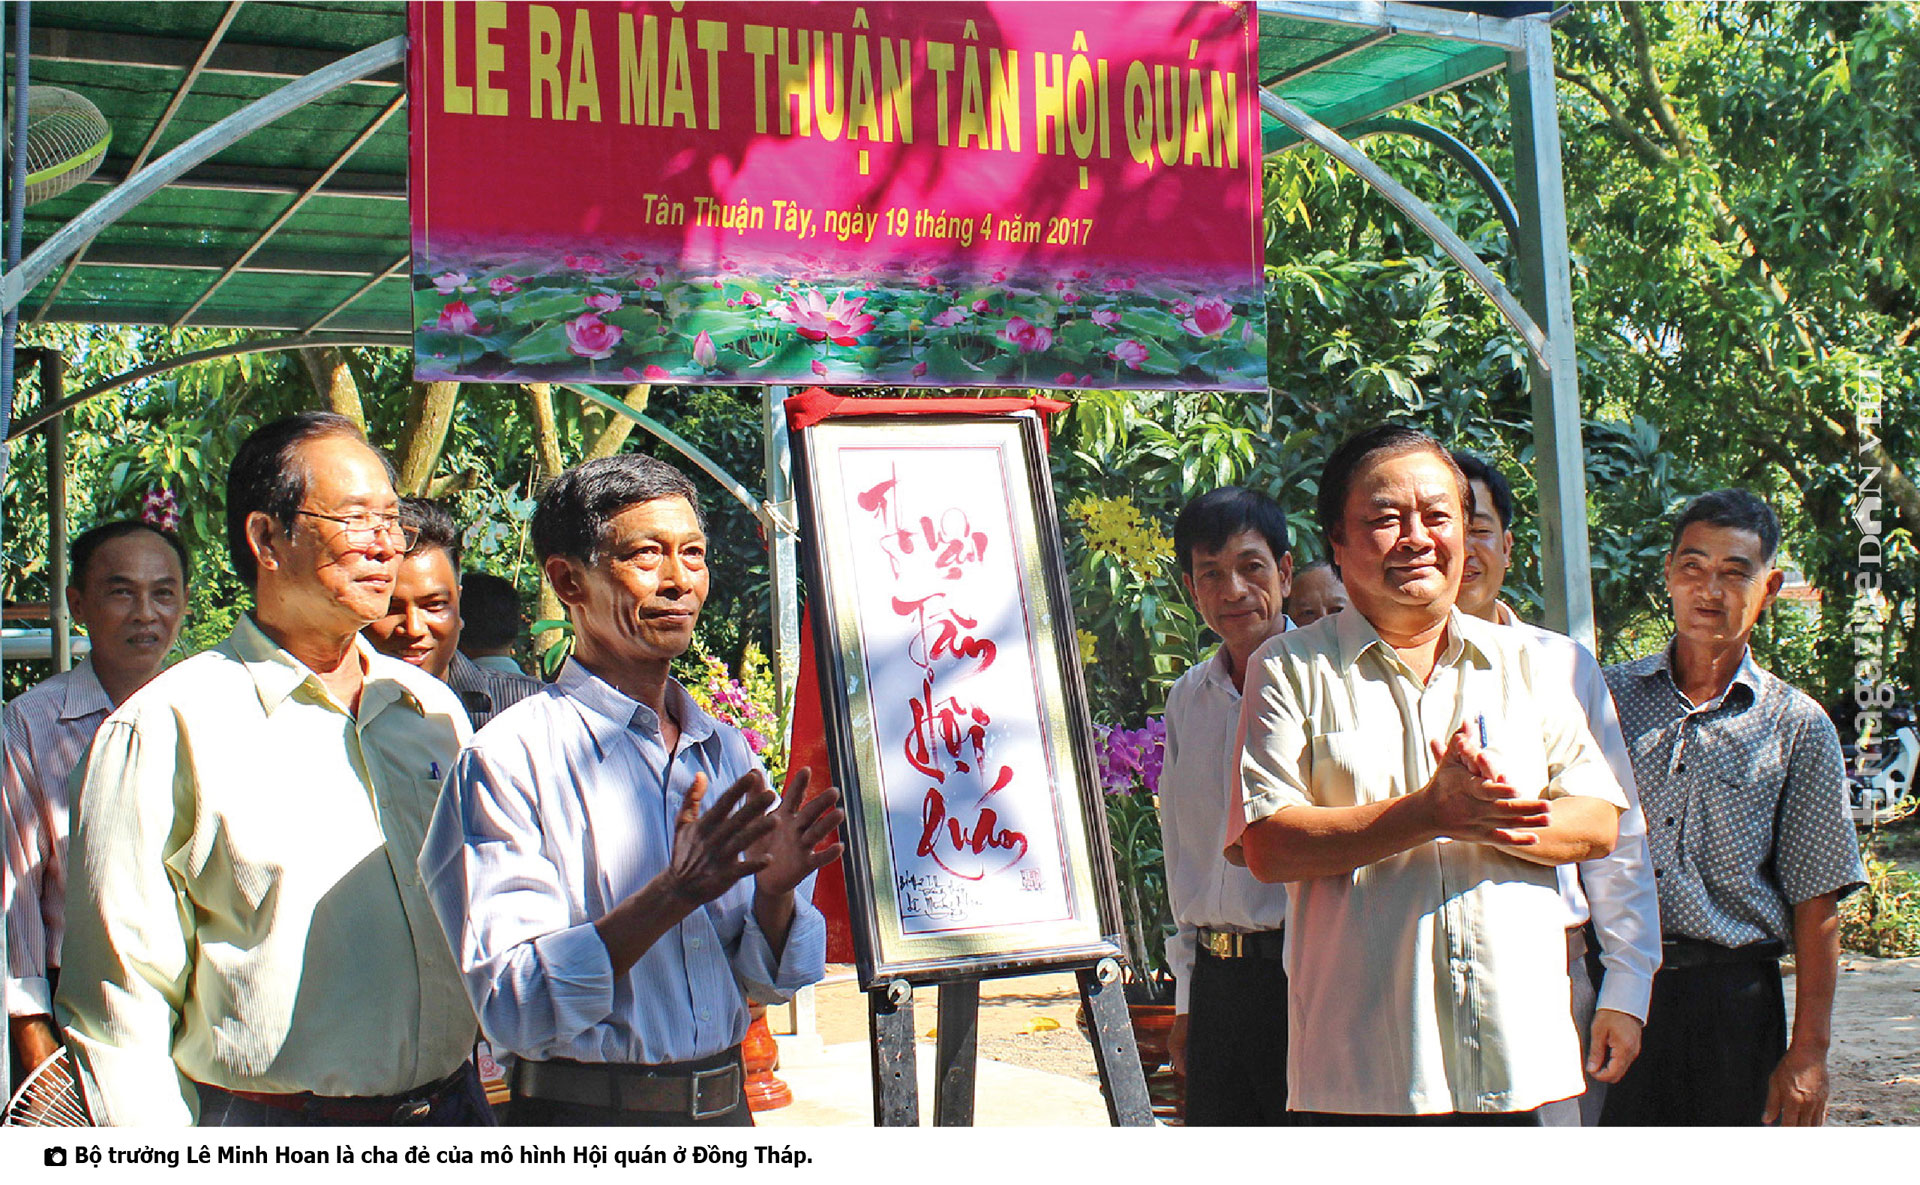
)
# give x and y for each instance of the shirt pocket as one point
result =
(1355, 767)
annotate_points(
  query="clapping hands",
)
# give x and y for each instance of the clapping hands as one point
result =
(1471, 800)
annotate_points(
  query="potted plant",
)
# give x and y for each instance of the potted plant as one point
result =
(1129, 763)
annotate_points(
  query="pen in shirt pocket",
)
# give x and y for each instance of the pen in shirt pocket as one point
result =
(433, 767)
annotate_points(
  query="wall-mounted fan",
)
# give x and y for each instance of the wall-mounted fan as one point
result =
(67, 139)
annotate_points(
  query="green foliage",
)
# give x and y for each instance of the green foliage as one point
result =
(1883, 919)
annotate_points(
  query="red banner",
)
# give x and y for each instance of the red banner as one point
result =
(942, 194)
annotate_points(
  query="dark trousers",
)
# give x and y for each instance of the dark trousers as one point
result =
(463, 1106)
(1237, 1042)
(1714, 1035)
(1445, 1119)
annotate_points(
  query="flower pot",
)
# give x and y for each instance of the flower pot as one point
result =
(1152, 1026)
(760, 1053)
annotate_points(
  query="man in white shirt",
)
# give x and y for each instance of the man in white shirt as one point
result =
(1229, 1034)
(129, 592)
(1614, 899)
(1414, 776)
(612, 927)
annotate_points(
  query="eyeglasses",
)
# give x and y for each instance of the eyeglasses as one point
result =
(362, 528)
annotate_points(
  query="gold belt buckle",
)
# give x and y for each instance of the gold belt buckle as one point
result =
(1221, 944)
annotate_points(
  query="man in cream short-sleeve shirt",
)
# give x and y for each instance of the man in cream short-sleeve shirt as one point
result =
(1415, 778)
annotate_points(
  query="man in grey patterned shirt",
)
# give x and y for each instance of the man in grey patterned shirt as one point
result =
(1744, 790)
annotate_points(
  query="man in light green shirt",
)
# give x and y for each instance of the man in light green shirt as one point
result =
(1415, 775)
(244, 911)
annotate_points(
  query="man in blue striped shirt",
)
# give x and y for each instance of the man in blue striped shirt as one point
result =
(611, 925)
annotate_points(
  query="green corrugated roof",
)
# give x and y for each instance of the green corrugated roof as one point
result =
(151, 267)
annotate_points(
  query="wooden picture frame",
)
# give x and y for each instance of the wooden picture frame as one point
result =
(953, 703)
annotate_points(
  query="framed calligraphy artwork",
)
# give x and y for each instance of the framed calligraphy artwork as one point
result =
(952, 697)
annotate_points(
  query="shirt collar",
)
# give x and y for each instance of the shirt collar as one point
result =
(610, 713)
(1355, 635)
(1216, 667)
(277, 674)
(84, 695)
(1748, 674)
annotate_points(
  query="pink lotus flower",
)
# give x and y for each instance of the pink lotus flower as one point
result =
(1211, 318)
(919, 370)
(704, 355)
(654, 372)
(1106, 318)
(602, 302)
(1119, 283)
(451, 283)
(979, 306)
(729, 265)
(1031, 338)
(1070, 298)
(1180, 308)
(504, 285)
(593, 265)
(999, 275)
(929, 281)
(457, 317)
(841, 322)
(1065, 379)
(1246, 334)
(1081, 273)
(649, 282)
(819, 368)
(1130, 352)
(590, 337)
(750, 299)
(949, 317)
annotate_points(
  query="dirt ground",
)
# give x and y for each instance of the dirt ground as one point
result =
(1874, 1064)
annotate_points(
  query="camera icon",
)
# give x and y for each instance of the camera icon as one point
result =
(55, 1158)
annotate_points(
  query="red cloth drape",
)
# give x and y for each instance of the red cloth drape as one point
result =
(807, 745)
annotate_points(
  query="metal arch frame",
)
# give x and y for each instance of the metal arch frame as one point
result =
(294, 207)
(1330, 142)
(144, 184)
(153, 138)
(1457, 151)
(1544, 320)
(1420, 20)
(761, 511)
(300, 341)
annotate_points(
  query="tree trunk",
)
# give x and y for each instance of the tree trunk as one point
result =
(333, 382)
(546, 448)
(425, 435)
(618, 428)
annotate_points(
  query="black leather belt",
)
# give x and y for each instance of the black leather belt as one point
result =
(1253, 944)
(1677, 953)
(706, 1088)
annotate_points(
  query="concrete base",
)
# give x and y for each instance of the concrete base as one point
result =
(833, 1087)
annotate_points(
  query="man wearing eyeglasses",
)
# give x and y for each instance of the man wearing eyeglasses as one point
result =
(248, 941)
